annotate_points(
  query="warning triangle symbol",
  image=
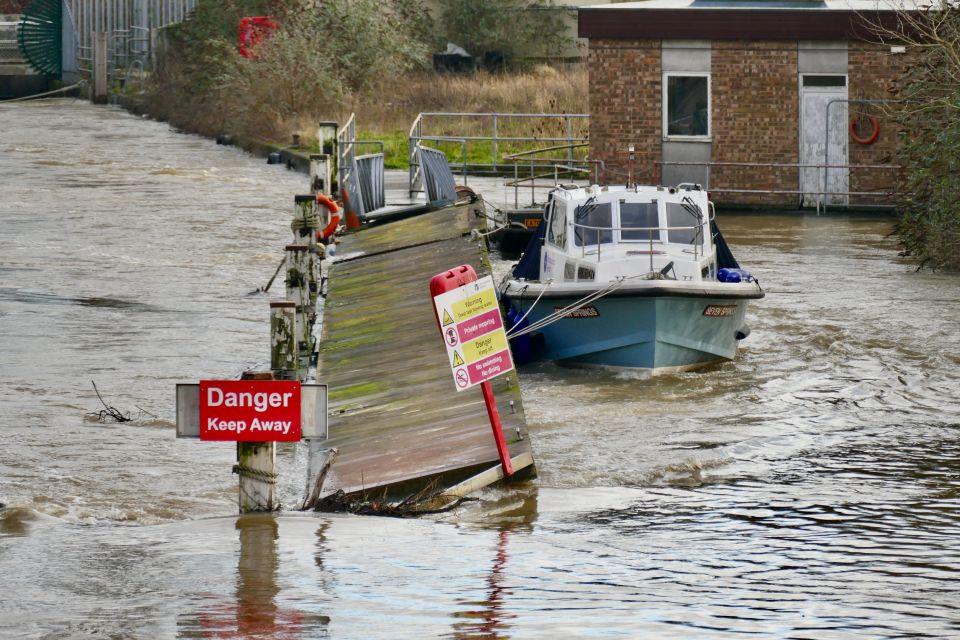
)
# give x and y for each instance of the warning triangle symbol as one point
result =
(446, 318)
(457, 360)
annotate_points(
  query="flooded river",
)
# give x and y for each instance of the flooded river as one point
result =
(809, 489)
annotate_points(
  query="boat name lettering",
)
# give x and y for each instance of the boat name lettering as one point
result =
(719, 310)
(582, 312)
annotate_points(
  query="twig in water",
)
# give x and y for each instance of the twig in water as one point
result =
(108, 411)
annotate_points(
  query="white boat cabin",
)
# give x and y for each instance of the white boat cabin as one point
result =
(599, 234)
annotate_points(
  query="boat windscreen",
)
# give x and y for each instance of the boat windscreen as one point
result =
(639, 221)
(593, 224)
(684, 224)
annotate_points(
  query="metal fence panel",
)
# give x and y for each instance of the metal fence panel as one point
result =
(437, 176)
(370, 178)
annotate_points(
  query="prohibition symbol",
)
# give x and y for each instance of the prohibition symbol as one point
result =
(451, 335)
(462, 379)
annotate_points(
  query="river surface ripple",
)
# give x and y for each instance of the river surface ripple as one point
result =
(809, 489)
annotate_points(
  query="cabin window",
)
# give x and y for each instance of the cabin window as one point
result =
(585, 273)
(557, 232)
(684, 223)
(639, 221)
(686, 105)
(594, 224)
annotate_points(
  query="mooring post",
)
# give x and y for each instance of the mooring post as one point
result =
(283, 341)
(320, 171)
(256, 466)
(298, 292)
(99, 67)
(305, 225)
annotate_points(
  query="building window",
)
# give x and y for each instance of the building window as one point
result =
(686, 107)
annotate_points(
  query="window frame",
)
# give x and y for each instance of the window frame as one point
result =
(553, 219)
(665, 107)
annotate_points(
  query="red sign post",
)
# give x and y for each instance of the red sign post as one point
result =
(449, 281)
(250, 410)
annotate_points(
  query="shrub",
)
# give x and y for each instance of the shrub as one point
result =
(929, 116)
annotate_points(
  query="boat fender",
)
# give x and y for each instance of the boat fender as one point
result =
(331, 206)
(520, 346)
(742, 333)
(667, 269)
(734, 275)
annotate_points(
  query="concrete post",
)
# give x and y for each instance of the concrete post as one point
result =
(99, 67)
(257, 467)
(298, 292)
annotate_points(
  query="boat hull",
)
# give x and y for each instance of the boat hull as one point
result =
(653, 330)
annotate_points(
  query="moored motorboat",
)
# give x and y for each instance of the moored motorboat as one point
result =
(633, 277)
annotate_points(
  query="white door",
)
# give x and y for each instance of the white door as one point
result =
(823, 142)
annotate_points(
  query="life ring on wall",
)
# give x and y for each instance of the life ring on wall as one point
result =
(334, 210)
(873, 123)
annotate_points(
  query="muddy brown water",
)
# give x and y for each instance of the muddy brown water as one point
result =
(809, 489)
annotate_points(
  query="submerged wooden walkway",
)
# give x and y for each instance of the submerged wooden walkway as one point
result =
(395, 416)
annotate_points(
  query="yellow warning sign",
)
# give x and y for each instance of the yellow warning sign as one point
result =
(446, 318)
(475, 304)
(485, 346)
(457, 359)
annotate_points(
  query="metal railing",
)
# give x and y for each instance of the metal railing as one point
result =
(660, 239)
(360, 175)
(562, 168)
(9, 52)
(130, 25)
(494, 131)
(774, 166)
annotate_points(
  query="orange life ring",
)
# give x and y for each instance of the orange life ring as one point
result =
(869, 139)
(334, 210)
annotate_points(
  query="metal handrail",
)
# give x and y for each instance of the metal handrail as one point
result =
(417, 137)
(698, 229)
(789, 165)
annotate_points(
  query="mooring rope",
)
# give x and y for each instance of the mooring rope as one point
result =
(255, 474)
(562, 313)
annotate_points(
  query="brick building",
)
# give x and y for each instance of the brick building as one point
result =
(743, 96)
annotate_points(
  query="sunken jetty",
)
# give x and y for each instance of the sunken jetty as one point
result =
(403, 433)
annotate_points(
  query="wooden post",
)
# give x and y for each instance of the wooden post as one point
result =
(283, 341)
(257, 466)
(298, 292)
(305, 226)
(99, 67)
(320, 174)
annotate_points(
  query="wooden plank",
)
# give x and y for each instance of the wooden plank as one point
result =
(396, 417)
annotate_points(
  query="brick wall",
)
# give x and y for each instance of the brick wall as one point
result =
(625, 98)
(755, 107)
(872, 71)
